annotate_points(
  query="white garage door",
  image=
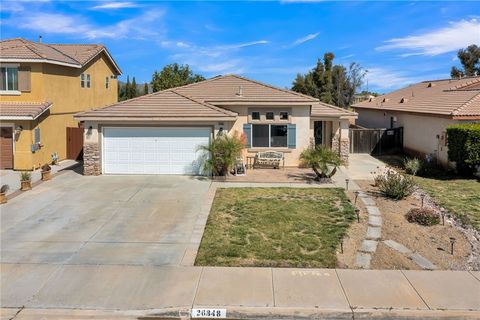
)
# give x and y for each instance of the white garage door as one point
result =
(153, 150)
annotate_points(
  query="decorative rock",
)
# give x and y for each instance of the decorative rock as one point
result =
(369, 246)
(363, 260)
(375, 221)
(374, 233)
(397, 246)
(422, 262)
(373, 211)
(91, 159)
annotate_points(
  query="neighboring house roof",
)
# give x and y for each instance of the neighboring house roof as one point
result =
(22, 110)
(233, 89)
(321, 109)
(457, 98)
(203, 99)
(160, 105)
(70, 55)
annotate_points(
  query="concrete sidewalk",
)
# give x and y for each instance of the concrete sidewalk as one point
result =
(245, 293)
(12, 178)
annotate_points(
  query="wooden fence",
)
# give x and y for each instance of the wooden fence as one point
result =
(376, 141)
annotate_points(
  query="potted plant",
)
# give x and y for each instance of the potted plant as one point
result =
(46, 172)
(26, 181)
(3, 193)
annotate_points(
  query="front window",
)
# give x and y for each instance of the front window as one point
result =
(255, 115)
(269, 115)
(82, 80)
(88, 81)
(283, 115)
(269, 136)
(9, 79)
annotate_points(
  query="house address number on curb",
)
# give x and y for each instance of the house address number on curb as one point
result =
(209, 313)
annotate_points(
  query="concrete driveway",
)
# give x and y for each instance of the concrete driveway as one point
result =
(105, 220)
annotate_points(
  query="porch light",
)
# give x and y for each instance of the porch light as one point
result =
(18, 130)
(89, 131)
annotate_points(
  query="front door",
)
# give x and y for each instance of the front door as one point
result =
(6, 148)
(318, 132)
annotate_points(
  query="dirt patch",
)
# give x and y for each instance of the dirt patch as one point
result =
(431, 242)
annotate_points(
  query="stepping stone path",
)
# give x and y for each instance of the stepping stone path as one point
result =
(421, 261)
(374, 232)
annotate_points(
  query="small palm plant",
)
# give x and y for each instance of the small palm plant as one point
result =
(323, 161)
(221, 154)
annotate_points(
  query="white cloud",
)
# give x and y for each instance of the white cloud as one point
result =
(115, 5)
(384, 79)
(457, 35)
(55, 23)
(304, 39)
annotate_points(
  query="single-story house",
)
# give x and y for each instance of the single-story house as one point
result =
(424, 110)
(160, 133)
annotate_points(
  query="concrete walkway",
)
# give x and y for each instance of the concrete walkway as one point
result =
(12, 178)
(243, 292)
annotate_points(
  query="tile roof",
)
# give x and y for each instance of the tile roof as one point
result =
(159, 105)
(203, 99)
(321, 109)
(451, 97)
(235, 89)
(22, 110)
(74, 55)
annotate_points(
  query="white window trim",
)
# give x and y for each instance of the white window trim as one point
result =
(269, 135)
(10, 92)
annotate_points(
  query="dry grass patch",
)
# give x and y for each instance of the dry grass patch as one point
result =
(281, 227)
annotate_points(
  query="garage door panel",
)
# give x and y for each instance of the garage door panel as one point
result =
(153, 150)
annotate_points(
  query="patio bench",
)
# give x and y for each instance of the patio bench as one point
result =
(269, 159)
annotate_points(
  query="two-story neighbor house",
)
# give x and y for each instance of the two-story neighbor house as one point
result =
(41, 87)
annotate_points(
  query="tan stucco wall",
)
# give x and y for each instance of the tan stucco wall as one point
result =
(419, 133)
(61, 86)
(300, 115)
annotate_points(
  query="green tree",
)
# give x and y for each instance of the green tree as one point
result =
(133, 89)
(221, 153)
(127, 88)
(333, 84)
(470, 60)
(174, 75)
(145, 88)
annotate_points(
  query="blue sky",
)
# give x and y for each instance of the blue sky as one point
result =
(397, 42)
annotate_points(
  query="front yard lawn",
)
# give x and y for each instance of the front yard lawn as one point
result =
(281, 227)
(460, 196)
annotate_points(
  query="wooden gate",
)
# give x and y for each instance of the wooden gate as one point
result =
(75, 143)
(376, 141)
(6, 148)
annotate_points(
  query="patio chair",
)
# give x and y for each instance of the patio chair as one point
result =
(269, 159)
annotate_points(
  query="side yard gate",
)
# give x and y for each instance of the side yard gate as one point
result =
(75, 143)
(376, 141)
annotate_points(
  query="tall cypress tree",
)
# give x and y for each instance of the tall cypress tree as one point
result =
(145, 88)
(133, 89)
(127, 88)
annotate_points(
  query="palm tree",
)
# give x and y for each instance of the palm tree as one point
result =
(221, 154)
(321, 160)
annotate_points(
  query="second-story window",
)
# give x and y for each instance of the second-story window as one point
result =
(88, 81)
(82, 80)
(9, 79)
(106, 82)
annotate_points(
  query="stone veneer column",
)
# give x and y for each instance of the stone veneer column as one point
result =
(345, 149)
(91, 159)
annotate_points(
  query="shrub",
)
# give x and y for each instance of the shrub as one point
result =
(25, 176)
(221, 153)
(46, 167)
(323, 161)
(4, 188)
(412, 166)
(394, 185)
(463, 141)
(423, 216)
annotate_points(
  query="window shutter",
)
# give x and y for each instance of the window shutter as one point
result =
(37, 135)
(292, 136)
(247, 129)
(24, 80)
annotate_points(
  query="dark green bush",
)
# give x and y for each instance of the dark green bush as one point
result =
(394, 185)
(463, 141)
(423, 216)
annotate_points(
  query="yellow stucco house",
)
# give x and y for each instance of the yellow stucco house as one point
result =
(41, 87)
